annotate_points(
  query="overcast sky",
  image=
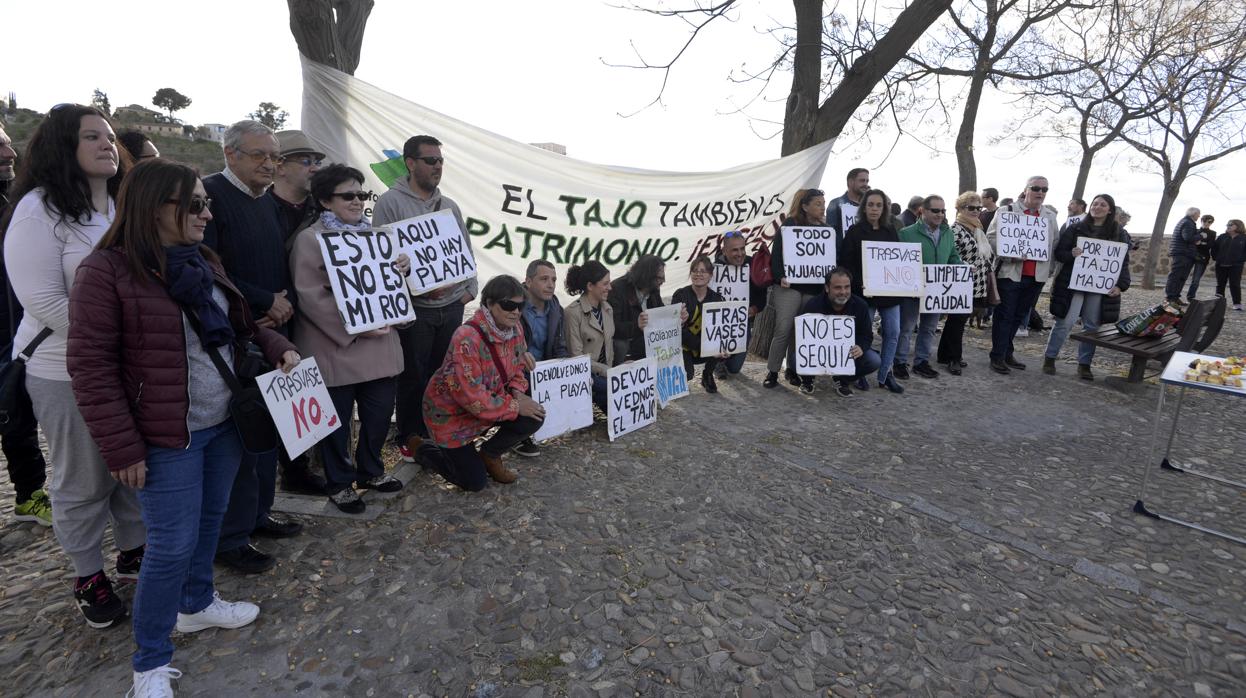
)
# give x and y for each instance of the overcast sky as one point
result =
(533, 75)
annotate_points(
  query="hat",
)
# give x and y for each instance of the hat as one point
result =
(294, 142)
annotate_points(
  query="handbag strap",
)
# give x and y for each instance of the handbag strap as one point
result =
(227, 373)
(26, 353)
(493, 351)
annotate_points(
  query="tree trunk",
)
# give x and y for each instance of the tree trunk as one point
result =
(330, 31)
(1083, 173)
(861, 79)
(966, 165)
(801, 115)
(1157, 232)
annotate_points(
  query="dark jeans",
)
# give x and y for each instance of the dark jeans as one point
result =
(1015, 300)
(375, 399)
(463, 466)
(424, 346)
(601, 392)
(1176, 276)
(951, 341)
(866, 364)
(1195, 276)
(710, 363)
(24, 458)
(1230, 275)
(250, 499)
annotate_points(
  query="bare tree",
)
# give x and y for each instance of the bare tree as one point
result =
(330, 31)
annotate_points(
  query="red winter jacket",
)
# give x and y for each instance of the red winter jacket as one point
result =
(127, 356)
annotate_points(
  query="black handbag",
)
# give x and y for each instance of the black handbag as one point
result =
(17, 415)
(246, 405)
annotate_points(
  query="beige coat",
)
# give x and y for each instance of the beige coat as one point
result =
(344, 359)
(1011, 268)
(586, 336)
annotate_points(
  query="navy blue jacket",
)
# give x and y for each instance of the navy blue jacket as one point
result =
(856, 307)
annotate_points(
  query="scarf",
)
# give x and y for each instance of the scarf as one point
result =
(969, 220)
(506, 335)
(332, 222)
(190, 284)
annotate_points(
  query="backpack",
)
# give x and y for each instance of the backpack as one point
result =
(759, 268)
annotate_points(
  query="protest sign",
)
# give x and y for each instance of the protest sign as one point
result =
(438, 251)
(731, 281)
(1098, 267)
(823, 343)
(947, 288)
(632, 397)
(300, 405)
(808, 254)
(1022, 236)
(848, 215)
(724, 328)
(664, 344)
(564, 387)
(892, 268)
(369, 291)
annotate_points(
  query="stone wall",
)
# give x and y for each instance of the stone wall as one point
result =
(1137, 259)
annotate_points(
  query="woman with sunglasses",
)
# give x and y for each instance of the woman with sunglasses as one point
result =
(975, 250)
(808, 209)
(875, 225)
(361, 370)
(694, 297)
(64, 205)
(481, 385)
(151, 311)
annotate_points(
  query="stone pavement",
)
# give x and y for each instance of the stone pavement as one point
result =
(970, 537)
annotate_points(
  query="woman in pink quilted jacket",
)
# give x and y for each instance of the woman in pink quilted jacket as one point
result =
(480, 385)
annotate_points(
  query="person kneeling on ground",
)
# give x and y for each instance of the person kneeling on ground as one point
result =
(481, 385)
(839, 300)
(693, 298)
(590, 322)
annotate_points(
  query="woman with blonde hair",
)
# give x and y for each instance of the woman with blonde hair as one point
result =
(975, 250)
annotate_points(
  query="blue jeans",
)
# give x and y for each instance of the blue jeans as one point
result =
(375, 399)
(889, 330)
(251, 498)
(601, 392)
(927, 325)
(183, 501)
(1015, 300)
(1180, 269)
(735, 362)
(1195, 277)
(1088, 307)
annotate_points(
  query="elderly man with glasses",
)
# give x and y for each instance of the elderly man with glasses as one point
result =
(248, 233)
(938, 243)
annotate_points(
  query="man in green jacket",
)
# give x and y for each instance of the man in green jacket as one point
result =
(938, 247)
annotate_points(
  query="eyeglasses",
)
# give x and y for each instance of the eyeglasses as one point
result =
(303, 160)
(261, 156)
(352, 195)
(509, 305)
(937, 210)
(197, 204)
(430, 160)
(973, 208)
(1039, 189)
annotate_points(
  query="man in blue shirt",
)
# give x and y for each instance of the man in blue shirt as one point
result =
(543, 326)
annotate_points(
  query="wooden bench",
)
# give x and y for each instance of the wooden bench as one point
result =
(1196, 330)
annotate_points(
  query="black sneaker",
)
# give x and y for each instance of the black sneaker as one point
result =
(301, 481)
(720, 371)
(382, 483)
(863, 384)
(246, 560)
(98, 603)
(277, 528)
(527, 448)
(348, 501)
(806, 387)
(924, 370)
(1011, 362)
(792, 377)
(129, 563)
(842, 389)
(772, 379)
(900, 371)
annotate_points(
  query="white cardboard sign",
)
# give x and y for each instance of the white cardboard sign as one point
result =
(892, 269)
(823, 343)
(369, 291)
(724, 328)
(808, 254)
(1098, 267)
(731, 281)
(948, 288)
(438, 250)
(300, 405)
(1022, 236)
(564, 387)
(664, 344)
(849, 214)
(633, 397)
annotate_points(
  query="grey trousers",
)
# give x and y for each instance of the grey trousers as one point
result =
(84, 495)
(787, 303)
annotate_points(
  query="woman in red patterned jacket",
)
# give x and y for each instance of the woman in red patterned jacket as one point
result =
(154, 402)
(481, 385)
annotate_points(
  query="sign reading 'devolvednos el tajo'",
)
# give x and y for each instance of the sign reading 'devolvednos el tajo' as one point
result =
(633, 397)
(369, 290)
(823, 343)
(564, 387)
(300, 405)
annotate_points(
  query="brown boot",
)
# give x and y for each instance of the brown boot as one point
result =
(414, 443)
(497, 471)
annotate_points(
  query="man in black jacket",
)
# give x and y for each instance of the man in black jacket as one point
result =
(838, 300)
(1181, 254)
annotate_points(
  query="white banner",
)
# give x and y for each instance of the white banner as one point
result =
(439, 254)
(892, 269)
(369, 291)
(564, 387)
(948, 288)
(1098, 267)
(823, 343)
(724, 328)
(664, 344)
(300, 406)
(731, 281)
(808, 254)
(522, 203)
(633, 397)
(1022, 236)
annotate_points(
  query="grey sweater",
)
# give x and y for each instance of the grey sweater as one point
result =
(401, 203)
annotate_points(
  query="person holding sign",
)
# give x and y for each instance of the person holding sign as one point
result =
(1019, 280)
(638, 290)
(482, 385)
(975, 250)
(1093, 308)
(838, 299)
(150, 313)
(733, 262)
(693, 298)
(360, 369)
(590, 322)
(543, 326)
(808, 209)
(875, 226)
(938, 247)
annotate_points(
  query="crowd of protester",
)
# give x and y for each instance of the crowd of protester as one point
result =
(146, 293)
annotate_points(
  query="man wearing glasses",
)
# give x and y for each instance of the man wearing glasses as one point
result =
(291, 190)
(938, 243)
(248, 233)
(1019, 280)
(438, 313)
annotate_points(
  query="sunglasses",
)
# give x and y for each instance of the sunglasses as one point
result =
(1039, 189)
(973, 208)
(937, 210)
(352, 195)
(732, 234)
(509, 305)
(197, 204)
(430, 160)
(304, 160)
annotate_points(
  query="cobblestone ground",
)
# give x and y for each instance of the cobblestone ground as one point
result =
(971, 537)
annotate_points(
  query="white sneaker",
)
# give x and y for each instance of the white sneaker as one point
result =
(1023, 332)
(218, 614)
(154, 683)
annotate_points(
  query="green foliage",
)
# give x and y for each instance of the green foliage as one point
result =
(99, 100)
(270, 115)
(170, 100)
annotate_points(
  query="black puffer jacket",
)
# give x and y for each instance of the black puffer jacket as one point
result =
(1110, 310)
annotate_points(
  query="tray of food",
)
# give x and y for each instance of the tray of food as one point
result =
(1229, 372)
